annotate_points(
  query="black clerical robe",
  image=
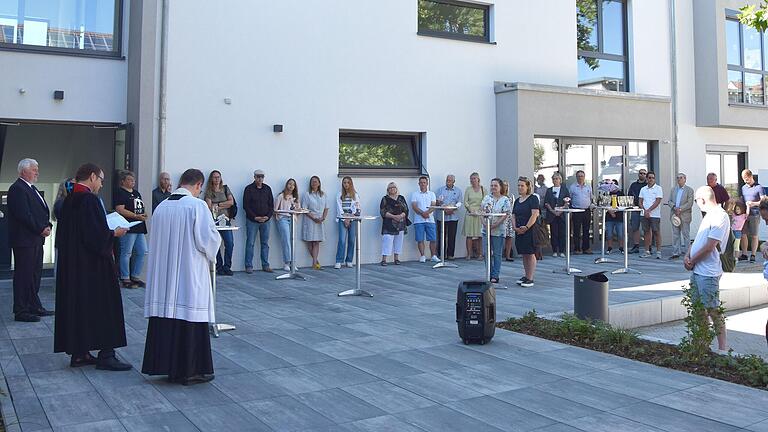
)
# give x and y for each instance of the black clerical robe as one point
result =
(89, 307)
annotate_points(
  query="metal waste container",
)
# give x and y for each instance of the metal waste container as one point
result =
(590, 297)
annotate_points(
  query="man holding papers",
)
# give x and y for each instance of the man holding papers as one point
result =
(178, 300)
(88, 303)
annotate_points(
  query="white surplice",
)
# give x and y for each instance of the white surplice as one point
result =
(182, 244)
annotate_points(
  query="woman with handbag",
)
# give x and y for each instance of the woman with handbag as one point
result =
(220, 200)
(394, 217)
(525, 215)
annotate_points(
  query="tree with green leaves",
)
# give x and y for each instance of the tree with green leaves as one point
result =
(755, 16)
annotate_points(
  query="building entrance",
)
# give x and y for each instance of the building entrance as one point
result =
(59, 149)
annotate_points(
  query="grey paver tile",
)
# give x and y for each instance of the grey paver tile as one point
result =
(99, 426)
(588, 395)
(44, 362)
(558, 427)
(30, 414)
(669, 419)
(33, 345)
(247, 386)
(383, 367)
(105, 380)
(501, 414)
(285, 414)
(709, 405)
(758, 427)
(388, 397)
(135, 400)
(224, 418)
(546, 404)
(441, 419)
(607, 422)
(340, 349)
(626, 385)
(386, 423)
(339, 406)
(336, 374)
(422, 360)
(246, 355)
(289, 351)
(435, 387)
(663, 376)
(185, 397)
(160, 422)
(86, 407)
(60, 382)
(292, 379)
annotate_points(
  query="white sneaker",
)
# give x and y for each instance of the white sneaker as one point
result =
(423, 259)
(287, 267)
(337, 266)
(658, 255)
(350, 265)
(562, 255)
(435, 258)
(554, 255)
(646, 254)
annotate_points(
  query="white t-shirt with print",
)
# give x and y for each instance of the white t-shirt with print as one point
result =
(715, 225)
(423, 200)
(649, 196)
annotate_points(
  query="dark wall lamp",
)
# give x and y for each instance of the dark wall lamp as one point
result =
(58, 95)
(278, 128)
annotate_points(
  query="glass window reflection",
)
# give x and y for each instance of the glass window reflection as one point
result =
(546, 157)
(89, 25)
(753, 89)
(753, 57)
(613, 27)
(586, 25)
(602, 74)
(733, 41)
(735, 87)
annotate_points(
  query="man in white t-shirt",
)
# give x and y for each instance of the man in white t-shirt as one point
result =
(650, 201)
(704, 258)
(424, 220)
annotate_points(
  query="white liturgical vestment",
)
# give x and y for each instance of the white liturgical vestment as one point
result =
(183, 242)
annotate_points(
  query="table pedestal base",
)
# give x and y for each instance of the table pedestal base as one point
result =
(626, 270)
(567, 270)
(293, 275)
(603, 260)
(216, 328)
(355, 292)
(443, 264)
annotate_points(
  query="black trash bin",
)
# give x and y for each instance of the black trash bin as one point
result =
(590, 297)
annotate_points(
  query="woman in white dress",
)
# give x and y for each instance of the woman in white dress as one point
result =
(313, 230)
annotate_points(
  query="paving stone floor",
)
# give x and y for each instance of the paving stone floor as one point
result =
(303, 359)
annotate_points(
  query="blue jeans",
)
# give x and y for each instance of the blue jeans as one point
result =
(347, 237)
(132, 245)
(250, 229)
(229, 244)
(497, 244)
(284, 226)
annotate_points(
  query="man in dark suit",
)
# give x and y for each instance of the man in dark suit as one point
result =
(28, 226)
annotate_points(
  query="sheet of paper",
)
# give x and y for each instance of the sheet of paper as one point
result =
(115, 220)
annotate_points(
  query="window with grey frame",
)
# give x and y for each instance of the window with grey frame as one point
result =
(78, 27)
(454, 20)
(747, 57)
(377, 153)
(601, 27)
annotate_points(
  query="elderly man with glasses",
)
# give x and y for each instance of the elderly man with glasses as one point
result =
(581, 198)
(681, 203)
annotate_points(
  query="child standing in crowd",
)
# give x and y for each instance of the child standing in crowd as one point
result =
(738, 212)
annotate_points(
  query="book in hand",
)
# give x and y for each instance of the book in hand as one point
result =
(115, 220)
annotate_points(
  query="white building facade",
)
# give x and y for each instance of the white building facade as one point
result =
(382, 91)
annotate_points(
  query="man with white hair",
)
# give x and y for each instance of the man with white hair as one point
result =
(448, 195)
(28, 226)
(681, 203)
(704, 257)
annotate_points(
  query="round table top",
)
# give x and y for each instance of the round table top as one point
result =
(299, 211)
(227, 228)
(618, 208)
(444, 207)
(358, 217)
(569, 210)
(489, 214)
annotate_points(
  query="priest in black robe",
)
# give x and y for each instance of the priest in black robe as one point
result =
(88, 300)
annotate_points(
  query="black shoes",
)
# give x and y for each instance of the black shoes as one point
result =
(224, 272)
(85, 360)
(635, 249)
(743, 258)
(196, 379)
(26, 317)
(751, 258)
(111, 363)
(45, 312)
